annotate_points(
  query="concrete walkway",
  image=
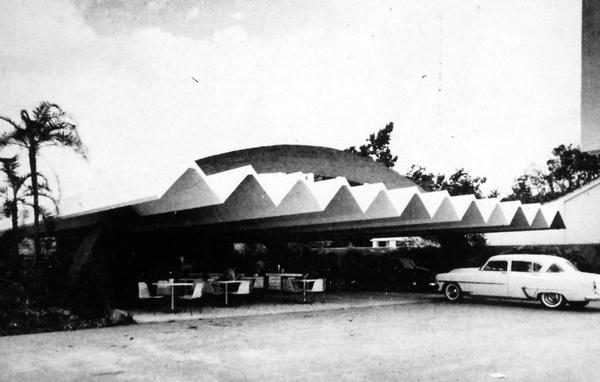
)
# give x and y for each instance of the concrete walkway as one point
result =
(269, 304)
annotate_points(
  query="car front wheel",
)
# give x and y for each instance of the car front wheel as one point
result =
(453, 292)
(552, 300)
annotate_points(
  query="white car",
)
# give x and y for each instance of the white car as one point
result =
(551, 279)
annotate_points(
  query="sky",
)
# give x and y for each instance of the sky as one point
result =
(484, 85)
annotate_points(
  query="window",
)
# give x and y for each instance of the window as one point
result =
(498, 266)
(537, 267)
(554, 268)
(382, 244)
(521, 266)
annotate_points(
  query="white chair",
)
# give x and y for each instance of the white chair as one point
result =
(289, 287)
(244, 288)
(259, 281)
(318, 287)
(144, 293)
(196, 295)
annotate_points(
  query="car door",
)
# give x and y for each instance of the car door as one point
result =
(492, 279)
(523, 279)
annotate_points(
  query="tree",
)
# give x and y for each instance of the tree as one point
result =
(49, 126)
(17, 193)
(458, 183)
(377, 147)
(566, 171)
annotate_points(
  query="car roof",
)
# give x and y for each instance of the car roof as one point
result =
(527, 257)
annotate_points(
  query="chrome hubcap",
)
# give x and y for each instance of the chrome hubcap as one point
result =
(452, 292)
(552, 299)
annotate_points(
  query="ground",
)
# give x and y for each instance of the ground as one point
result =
(394, 337)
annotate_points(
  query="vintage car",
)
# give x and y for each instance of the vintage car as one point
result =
(552, 280)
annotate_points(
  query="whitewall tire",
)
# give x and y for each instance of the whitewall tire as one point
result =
(453, 292)
(552, 300)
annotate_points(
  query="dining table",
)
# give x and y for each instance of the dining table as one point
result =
(274, 279)
(173, 284)
(226, 283)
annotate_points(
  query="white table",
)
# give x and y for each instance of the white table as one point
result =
(226, 282)
(274, 279)
(173, 285)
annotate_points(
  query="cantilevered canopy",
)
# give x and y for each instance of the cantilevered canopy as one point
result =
(243, 201)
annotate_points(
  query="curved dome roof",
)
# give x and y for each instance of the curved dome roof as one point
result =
(322, 161)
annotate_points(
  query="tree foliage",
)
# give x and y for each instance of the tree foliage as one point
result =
(17, 192)
(567, 170)
(458, 183)
(377, 147)
(47, 125)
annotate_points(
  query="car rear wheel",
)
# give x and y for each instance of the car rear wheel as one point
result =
(552, 300)
(453, 292)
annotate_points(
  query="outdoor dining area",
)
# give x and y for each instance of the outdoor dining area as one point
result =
(192, 291)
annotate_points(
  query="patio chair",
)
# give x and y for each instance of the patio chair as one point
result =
(145, 296)
(259, 281)
(212, 291)
(289, 288)
(244, 289)
(318, 287)
(196, 295)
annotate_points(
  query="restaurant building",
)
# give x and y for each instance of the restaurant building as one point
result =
(274, 195)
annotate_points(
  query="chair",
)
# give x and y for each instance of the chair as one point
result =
(144, 294)
(212, 290)
(196, 295)
(318, 287)
(289, 287)
(259, 281)
(244, 288)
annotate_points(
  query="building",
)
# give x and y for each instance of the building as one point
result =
(581, 219)
(274, 195)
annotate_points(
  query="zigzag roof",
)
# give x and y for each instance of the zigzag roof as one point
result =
(296, 201)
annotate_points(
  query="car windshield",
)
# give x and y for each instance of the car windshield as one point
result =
(495, 266)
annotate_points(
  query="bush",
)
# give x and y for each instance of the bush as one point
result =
(89, 291)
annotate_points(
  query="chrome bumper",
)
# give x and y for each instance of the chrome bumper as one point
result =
(594, 297)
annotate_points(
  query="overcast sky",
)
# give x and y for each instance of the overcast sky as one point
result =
(487, 85)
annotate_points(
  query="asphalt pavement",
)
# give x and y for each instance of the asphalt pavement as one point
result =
(426, 339)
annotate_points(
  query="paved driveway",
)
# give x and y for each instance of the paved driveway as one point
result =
(426, 340)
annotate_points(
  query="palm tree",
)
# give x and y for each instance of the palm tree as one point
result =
(48, 127)
(17, 193)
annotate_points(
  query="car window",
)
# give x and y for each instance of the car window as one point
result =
(521, 266)
(554, 268)
(496, 265)
(537, 267)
